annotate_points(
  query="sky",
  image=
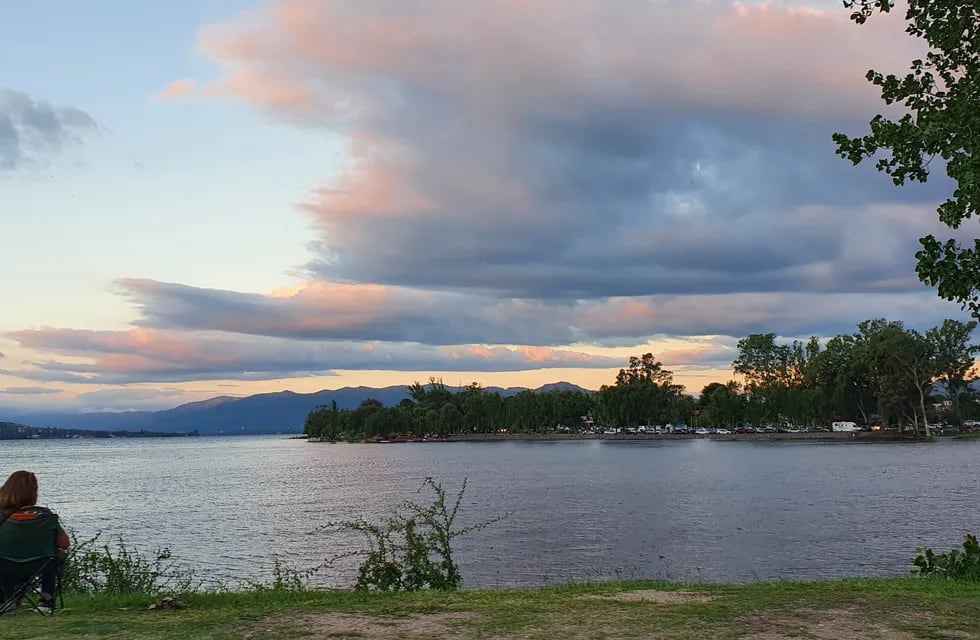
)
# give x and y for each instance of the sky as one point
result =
(224, 197)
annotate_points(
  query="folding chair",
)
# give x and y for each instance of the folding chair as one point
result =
(28, 550)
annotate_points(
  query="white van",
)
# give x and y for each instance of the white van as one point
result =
(844, 426)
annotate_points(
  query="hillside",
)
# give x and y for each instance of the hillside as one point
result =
(280, 412)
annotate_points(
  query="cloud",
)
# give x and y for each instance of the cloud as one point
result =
(31, 130)
(177, 90)
(133, 399)
(124, 357)
(582, 149)
(29, 391)
(553, 174)
(321, 311)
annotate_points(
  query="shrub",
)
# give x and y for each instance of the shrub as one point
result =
(412, 550)
(121, 569)
(955, 565)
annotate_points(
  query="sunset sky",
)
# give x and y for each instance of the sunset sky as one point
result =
(223, 197)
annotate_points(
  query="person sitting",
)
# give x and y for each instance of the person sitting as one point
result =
(18, 511)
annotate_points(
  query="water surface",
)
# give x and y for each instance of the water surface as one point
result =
(686, 510)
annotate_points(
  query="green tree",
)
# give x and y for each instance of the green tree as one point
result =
(761, 361)
(942, 120)
(775, 375)
(955, 357)
(682, 409)
(359, 417)
(905, 366)
(842, 375)
(643, 369)
(723, 405)
(644, 393)
(326, 423)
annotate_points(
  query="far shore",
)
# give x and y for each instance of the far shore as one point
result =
(819, 436)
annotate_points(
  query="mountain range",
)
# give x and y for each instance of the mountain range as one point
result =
(280, 412)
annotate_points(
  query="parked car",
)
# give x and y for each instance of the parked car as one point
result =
(723, 432)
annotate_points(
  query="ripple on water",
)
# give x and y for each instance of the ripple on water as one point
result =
(693, 510)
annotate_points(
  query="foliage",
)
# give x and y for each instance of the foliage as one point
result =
(120, 569)
(883, 372)
(433, 410)
(284, 578)
(644, 394)
(413, 550)
(955, 565)
(941, 119)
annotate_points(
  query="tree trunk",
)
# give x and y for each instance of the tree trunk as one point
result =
(922, 407)
(864, 416)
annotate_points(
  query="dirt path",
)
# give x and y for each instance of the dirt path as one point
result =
(643, 615)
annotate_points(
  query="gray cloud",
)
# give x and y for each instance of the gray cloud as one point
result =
(568, 173)
(29, 391)
(366, 312)
(32, 129)
(587, 152)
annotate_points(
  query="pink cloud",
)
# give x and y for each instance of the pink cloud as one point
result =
(441, 102)
(263, 89)
(123, 357)
(177, 90)
(495, 53)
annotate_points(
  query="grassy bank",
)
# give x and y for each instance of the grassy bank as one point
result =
(896, 609)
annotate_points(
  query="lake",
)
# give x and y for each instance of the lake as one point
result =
(693, 510)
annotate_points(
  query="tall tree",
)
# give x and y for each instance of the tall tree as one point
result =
(644, 393)
(842, 373)
(722, 404)
(941, 95)
(645, 368)
(906, 366)
(955, 356)
(763, 362)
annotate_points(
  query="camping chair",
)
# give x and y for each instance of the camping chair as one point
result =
(27, 550)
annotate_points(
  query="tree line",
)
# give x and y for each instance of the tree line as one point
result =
(883, 373)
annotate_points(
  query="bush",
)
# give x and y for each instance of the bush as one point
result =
(955, 565)
(93, 568)
(412, 551)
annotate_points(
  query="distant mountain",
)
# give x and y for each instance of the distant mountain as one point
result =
(280, 412)
(939, 388)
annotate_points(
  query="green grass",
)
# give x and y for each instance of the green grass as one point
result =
(895, 608)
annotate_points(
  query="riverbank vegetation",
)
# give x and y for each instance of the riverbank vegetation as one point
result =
(140, 603)
(883, 374)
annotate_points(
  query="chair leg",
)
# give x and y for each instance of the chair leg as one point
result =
(59, 592)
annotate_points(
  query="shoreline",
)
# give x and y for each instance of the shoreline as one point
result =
(820, 436)
(644, 437)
